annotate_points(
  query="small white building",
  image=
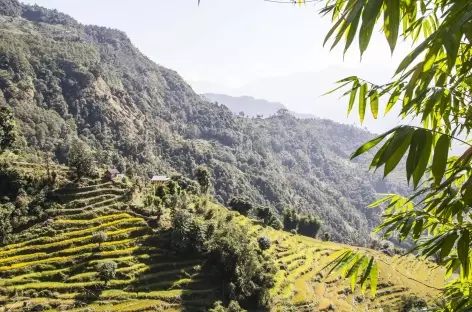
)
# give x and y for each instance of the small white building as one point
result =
(159, 179)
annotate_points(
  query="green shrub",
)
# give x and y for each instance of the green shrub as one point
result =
(99, 237)
(106, 270)
(232, 307)
(264, 242)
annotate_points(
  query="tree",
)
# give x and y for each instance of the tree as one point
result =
(309, 226)
(432, 84)
(203, 178)
(81, 159)
(99, 237)
(232, 307)
(241, 205)
(7, 128)
(106, 270)
(264, 242)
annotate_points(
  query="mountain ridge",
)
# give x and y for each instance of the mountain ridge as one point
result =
(64, 80)
(252, 107)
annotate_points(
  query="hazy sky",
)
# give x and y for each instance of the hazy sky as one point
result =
(245, 47)
(225, 42)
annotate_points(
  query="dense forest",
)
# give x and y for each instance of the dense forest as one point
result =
(64, 80)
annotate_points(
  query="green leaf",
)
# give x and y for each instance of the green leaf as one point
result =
(392, 22)
(451, 42)
(379, 154)
(352, 30)
(414, 54)
(423, 153)
(463, 251)
(417, 229)
(380, 201)
(393, 161)
(362, 102)
(447, 244)
(374, 275)
(366, 275)
(440, 158)
(417, 142)
(369, 18)
(374, 103)
(337, 88)
(352, 96)
(397, 140)
(331, 31)
(372, 143)
(393, 99)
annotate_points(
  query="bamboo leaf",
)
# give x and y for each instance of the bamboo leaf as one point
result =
(352, 30)
(374, 275)
(393, 99)
(447, 244)
(397, 140)
(369, 18)
(374, 103)
(366, 275)
(413, 55)
(337, 88)
(393, 161)
(380, 201)
(463, 251)
(372, 143)
(440, 158)
(362, 101)
(423, 153)
(392, 22)
(352, 96)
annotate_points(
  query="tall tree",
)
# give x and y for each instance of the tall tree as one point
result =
(7, 128)
(81, 159)
(203, 178)
(241, 205)
(432, 84)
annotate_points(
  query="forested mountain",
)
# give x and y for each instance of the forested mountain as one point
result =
(65, 80)
(250, 106)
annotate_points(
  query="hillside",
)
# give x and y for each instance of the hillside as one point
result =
(64, 80)
(250, 106)
(55, 264)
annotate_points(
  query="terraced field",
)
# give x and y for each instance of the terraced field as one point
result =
(53, 265)
(301, 281)
(59, 270)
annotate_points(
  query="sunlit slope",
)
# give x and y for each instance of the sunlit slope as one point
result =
(54, 264)
(300, 281)
(58, 271)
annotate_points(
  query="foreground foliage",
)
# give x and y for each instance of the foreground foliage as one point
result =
(432, 85)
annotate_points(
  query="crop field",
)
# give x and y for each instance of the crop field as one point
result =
(58, 271)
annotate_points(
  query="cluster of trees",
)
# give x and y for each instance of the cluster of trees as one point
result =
(307, 225)
(90, 83)
(245, 273)
(23, 199)
(7, 128)
(245, 207)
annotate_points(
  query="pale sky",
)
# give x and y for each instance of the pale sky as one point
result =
(227, 42)
(245, 47)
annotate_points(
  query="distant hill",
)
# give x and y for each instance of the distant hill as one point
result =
(250, 106)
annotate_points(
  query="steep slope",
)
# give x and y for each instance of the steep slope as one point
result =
(250, 106)
(55, 265)
(63, 80)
